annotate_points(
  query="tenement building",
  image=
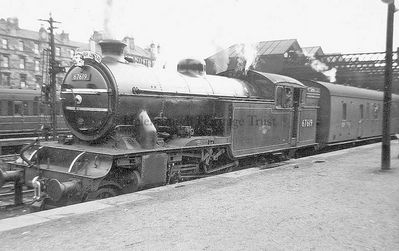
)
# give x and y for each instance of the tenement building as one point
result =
(23, 59)
(133, 52)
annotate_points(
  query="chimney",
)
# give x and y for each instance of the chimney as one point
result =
(97, 36)
(93, 45)
(64, 36)
(112, 49)
(13, 22)
(129, 41)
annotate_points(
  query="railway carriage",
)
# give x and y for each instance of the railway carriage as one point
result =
(22, 113)
(22, 116)
(349, 114)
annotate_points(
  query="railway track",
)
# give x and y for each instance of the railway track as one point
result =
(7, 196)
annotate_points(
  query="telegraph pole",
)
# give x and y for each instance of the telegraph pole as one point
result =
(53, 72)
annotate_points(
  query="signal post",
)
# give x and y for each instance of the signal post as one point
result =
(54, 69)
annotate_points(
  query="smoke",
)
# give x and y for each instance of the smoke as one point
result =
(246, 57)
(221, 58)
(321, 67)
(107, 19)
(331, 75)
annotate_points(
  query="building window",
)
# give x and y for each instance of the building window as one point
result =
(5, 61)
(36, 48)
(344, 111)
(5, 79)
(37, 66)
(4, 43)
(38, 79)
(58, 51)
(21, 63)
(21, 45)
(38, 82)
(22, 82)
(71, 53)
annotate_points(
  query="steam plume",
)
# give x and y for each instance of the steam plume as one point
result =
(319, 66)
(246, 57)
(107, 19)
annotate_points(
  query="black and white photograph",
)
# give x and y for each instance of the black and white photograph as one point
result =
(199, 125)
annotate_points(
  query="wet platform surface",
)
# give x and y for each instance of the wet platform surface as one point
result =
(339, 200)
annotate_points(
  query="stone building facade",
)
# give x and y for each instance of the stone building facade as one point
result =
(23, 62)
(135, 53)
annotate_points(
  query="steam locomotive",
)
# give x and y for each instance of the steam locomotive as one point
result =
(134, 127)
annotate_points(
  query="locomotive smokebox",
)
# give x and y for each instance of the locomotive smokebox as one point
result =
(112, 49)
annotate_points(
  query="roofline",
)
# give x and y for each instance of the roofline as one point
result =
(296, 40)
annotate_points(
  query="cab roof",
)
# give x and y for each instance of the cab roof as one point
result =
(349, 91)
(279, 79)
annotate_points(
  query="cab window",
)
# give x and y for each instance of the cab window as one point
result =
(288, 97)
(279, 96)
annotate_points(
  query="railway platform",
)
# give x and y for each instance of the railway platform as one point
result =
(338, 200)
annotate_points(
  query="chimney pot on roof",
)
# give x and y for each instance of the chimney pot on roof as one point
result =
(13, 22)
(64, 36)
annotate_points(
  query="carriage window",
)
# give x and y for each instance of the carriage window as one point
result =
(42, 109)
(368, 110)
(17, 108)
(35, 108)
(375, 111)
(279, 96)
(26, 108)
(343, 111)
(10, 108)
(361, 111)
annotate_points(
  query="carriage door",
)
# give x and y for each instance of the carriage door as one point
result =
(295, 116)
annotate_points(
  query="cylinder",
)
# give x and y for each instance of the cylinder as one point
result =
(56, 189)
